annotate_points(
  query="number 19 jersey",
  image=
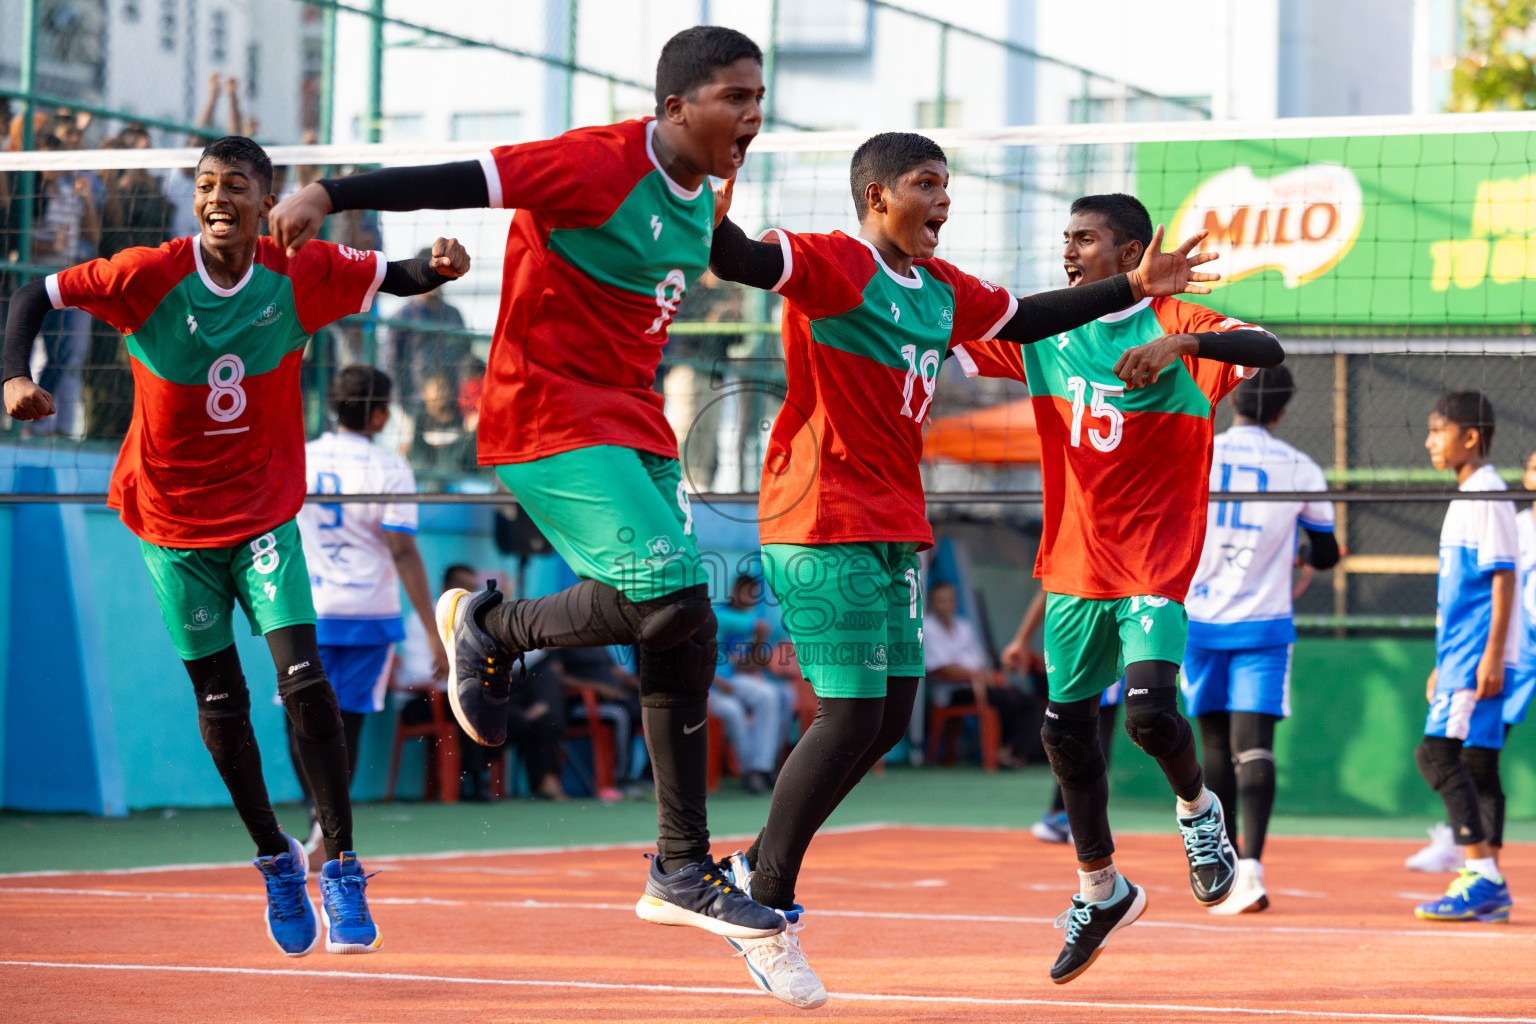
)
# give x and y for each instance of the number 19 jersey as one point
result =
(215, 452)
(1125, 473)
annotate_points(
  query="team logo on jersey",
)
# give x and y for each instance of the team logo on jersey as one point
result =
(660, 547)
(271, 591)
(191, 324)
(946, 318)
(269, 316)
(877, 661)
(656, 227)
(353, 254)
(202, 618)
(1146, 624)
(895, 313)
(1301, 223)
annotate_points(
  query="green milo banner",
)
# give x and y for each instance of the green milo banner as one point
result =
(1376, 230)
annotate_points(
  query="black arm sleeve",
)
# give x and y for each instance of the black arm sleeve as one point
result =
(1243, 348)
(735, 257)
(1325, 549)
(410, 277)
(29, 304)
(456, 186)
(1049, 313)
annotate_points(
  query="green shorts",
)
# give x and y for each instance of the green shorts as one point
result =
(616, 515)
(1089, 642)
(197, 589)
(854, 611)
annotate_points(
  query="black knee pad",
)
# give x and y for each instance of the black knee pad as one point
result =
(224, 714)
(677, 649)
(1072, 745)
(1483, 764)
(1153, 722)
(313, 710)
(1439, 760)
(682, 615)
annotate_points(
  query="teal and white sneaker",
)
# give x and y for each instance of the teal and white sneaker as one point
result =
(291, 921)
(1471, 897)
(349, 928)
(776, 964)
(1212, 861)
(1089, 926)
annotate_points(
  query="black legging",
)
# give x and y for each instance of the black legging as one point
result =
(1238, 754)
(843, 742)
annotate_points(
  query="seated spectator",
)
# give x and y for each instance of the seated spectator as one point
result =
(746, 636)
(959, 671)
(618, 695)
(536, 724)
(441, 443)
(751, 709)
(414, 354)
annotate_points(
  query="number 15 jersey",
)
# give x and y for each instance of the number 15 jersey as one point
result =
(215, 451)
(1125, 473)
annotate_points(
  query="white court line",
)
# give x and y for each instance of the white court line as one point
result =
(1249, 930)
(873, 997)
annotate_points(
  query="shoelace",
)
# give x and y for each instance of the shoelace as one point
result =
(1462, 884)
(1202, 841)
(784, 946)
(344, 897)
(285, 894)
(1074, 919)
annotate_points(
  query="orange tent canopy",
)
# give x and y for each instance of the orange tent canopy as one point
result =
(999, 434)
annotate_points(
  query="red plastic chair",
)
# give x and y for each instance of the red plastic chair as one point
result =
(442, 738)
(944, 728)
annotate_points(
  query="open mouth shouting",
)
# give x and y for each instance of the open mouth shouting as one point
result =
(739, 148)
(931, 230)
(1074, 275)
(220, 223)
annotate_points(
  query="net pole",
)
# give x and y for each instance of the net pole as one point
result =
(327, 73)
(1341, 463)
(375, 70)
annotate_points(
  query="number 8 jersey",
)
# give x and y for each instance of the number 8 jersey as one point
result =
(862, 352)
(215, 452)
(1125, 473)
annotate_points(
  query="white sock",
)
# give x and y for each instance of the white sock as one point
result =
(1097, 886)
(1201, 804)
(1485, 866)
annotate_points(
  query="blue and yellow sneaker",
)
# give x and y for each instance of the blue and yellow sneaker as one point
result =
(1471, 897)
(479, 668)
(701, 895)
(1212, 861)
(348, 926)
(291, 920)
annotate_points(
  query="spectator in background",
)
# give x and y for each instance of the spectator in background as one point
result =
(415, 353)
(441, 442)
(746, 635)
(535, 726)
(178, 181)
(748, 706)
(66, 234)
(959, 671)
(618, 695)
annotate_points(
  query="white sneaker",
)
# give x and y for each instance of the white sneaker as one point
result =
(1442, 853)
(777, 964)
(1248, 894)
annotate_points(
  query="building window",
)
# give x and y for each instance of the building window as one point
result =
(168, 25)
(488, 126)
(218, 35)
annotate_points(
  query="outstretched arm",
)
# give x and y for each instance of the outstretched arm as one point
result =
(24, 400)
(459, 185)
(1139, 367)
(735, 257)
(414, 277)
(1324, 548)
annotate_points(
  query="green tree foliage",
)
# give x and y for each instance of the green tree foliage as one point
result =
(1495, 70)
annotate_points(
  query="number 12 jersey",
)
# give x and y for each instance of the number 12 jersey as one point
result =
(215, 451)
(1125, 473)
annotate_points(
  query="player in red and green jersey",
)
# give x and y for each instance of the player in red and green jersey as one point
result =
(612, 226)
(211, 476)
(1123, 407)
(868, 321)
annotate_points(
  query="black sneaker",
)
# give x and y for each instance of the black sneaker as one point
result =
(701, 895)
(1089, 926)
(1212, 861)
(479, 676)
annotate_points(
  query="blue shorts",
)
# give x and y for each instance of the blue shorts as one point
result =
(1256, 680)
(1518, 690)
(1114, 695)
(1459, 715)
(359, 675)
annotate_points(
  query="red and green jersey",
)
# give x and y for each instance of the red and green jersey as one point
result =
(601, 250)
(1126, 474)
(215, 452)
(862, 352)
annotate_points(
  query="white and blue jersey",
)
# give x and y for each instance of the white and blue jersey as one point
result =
(1479, 538)
(1518, 692)
(352, 573)
(1241, 620)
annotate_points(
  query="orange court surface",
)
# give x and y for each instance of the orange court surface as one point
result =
(905, 924)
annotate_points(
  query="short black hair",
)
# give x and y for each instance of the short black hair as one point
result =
(1123, 214)
(1263, 396)
(235, 149)
(1469, 410)
(693, 57)
(453, 570)
(884, 158)
(356, 392)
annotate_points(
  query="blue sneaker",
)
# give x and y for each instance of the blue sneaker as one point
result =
(291, 921)
(701, 895)
(1052, 828)
(1471, 897)
(1089, 926)
(1212, 861)
(348, 926)
(479, 677)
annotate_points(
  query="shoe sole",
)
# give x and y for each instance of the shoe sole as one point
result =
(1138, 908)
(1250, 902)
(349, 947)
(658, 911)
(1500, 916)
(447, 606)
(1048, 835)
